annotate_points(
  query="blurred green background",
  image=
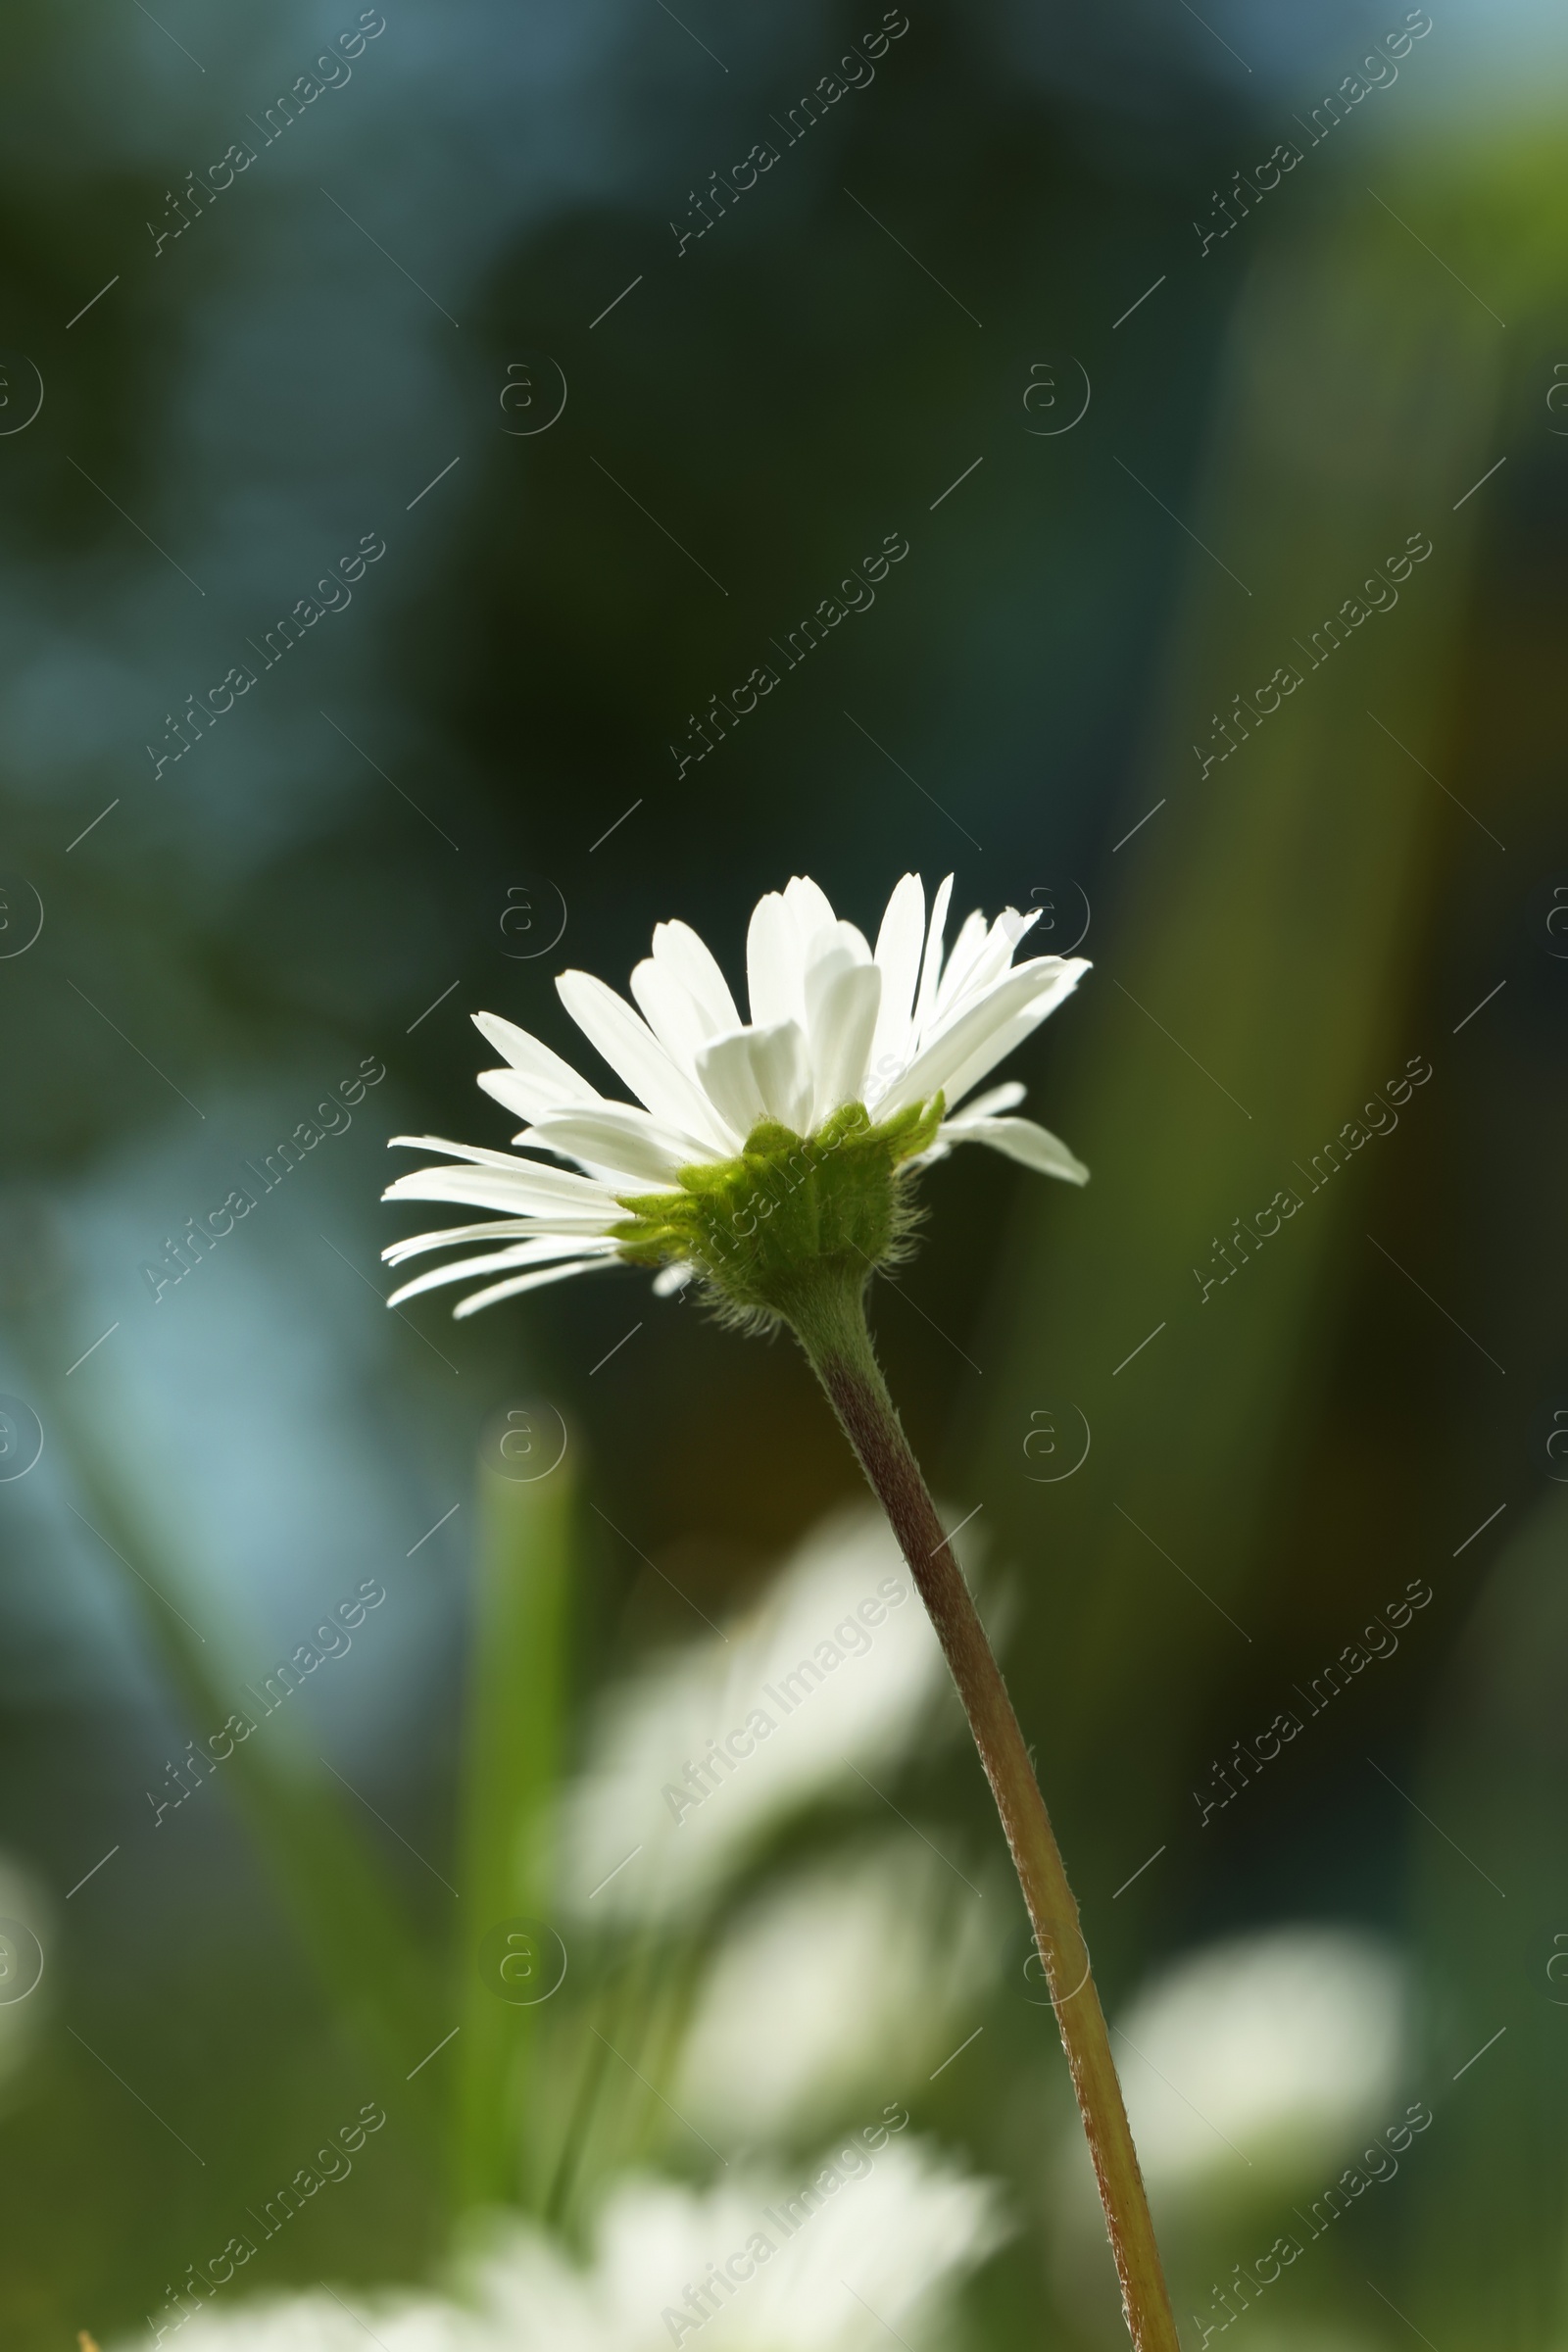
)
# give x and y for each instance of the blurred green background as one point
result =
(468, 775)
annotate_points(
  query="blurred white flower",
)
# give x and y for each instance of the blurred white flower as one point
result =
(831, 1980)
(704, 1751)
(883, 2250)
(320, 2322)
(1271, 2052)
(752, 2267)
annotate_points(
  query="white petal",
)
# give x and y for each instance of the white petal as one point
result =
(759, 1075)
(967, 1047)
(1000, 1043)
(931, 967)
(557, 1081)
(678, 947)
(624, 1142)
(979, 970)
(783, 1071)
(774, 964)
(1001, 1098)
(526, 1097)
(811, 907)
(680, 1023)
(635, 1055)
(846, 936)
(973, 933)
(898, 954)
(539, 1252)
(1019, 1138)
(842, 1006)
(519, 1282)
(494, 1229)
(569, 1200)
(830, 957)
(671, 1279)
(730, 1082)
(477, 1153)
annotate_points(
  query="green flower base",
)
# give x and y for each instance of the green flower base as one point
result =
(791, 1209)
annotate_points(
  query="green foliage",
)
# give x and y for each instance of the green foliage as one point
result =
(1255, 988)
(371, 1964)
(1491, 1911)
(515, 1716)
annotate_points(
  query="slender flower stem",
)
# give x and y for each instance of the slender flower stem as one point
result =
(828, 1317)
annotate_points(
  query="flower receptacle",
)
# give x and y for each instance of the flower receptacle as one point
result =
(789, 1209)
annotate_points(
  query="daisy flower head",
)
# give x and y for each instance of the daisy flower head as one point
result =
(760, 1151)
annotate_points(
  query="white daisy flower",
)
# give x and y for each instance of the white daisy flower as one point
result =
(709, 1748)
(860, 2239)
(721, 1165)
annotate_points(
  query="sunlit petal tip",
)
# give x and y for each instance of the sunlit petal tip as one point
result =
(1033, 1146)
(519, 1284)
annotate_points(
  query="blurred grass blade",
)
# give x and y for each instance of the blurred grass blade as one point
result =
(517, 1700)
(1491, 1925)
(1251, 992)
(328, 1879)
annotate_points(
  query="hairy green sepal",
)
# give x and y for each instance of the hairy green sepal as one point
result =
(767, 1228)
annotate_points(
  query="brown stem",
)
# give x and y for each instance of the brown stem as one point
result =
(830, 1324)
